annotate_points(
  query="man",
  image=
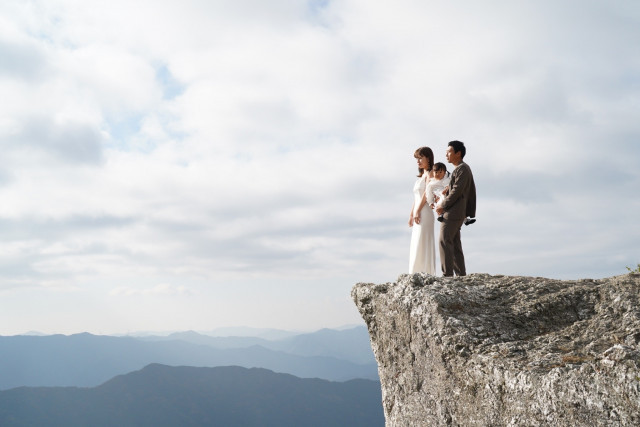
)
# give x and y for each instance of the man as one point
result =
(459, 203)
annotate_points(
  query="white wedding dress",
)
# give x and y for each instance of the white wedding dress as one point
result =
(422, 252)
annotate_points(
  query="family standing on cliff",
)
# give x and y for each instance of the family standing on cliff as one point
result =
(453, 198)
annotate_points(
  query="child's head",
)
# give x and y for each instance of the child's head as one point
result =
(439, 170)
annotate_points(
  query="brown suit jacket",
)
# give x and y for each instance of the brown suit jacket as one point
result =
(461, 200)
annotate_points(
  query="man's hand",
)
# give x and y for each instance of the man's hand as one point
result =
(439, 210)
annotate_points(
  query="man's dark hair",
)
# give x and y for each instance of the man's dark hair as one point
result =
(457, 147)
(439, 167)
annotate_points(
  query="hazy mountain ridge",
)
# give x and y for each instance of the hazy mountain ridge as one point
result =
(169, 396)
(348, 344)
(88, 360)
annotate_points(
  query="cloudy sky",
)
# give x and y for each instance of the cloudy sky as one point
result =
(173, 165)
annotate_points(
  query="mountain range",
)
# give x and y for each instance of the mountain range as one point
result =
(86, 360)
(349, 344)
(160, 395)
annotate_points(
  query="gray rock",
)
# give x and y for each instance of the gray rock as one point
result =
(487, 350)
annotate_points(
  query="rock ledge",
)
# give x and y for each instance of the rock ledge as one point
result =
(506, 351)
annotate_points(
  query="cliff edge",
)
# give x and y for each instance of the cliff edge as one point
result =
(486, 350)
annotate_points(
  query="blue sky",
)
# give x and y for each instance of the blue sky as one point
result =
(201, 164)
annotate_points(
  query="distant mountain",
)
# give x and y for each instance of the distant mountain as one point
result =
(185, 396)
(244, 331)
(347, 344)
(216, 342)
(34, 333)
(88, 360)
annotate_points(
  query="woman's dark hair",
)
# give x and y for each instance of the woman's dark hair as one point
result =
(439, 167)
(458, 146)
(424, 152)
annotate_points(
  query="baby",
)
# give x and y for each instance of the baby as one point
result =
(439, 182)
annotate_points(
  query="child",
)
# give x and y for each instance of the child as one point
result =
(436, 185)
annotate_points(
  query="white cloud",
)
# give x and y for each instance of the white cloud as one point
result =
(206, 143)
(161, 289)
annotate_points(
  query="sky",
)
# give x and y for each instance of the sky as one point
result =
(190, 165)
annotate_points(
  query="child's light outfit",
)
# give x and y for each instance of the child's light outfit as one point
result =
(435, 187)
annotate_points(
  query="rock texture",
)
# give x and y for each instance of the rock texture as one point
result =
(506, 351)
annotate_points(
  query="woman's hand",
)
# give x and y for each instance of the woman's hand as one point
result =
(411, 221)
(416, 219)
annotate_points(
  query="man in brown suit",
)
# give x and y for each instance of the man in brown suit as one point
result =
(459, 203)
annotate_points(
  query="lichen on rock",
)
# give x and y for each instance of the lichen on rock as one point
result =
(486, 350)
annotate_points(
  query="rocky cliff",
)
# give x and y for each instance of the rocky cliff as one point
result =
(506, 351)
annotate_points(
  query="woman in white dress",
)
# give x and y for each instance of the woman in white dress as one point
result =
(422, 254)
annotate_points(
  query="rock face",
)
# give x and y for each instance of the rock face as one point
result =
(487, 350)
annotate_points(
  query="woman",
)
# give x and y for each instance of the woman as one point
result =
(422, 255)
